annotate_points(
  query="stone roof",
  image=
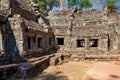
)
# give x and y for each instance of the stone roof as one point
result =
(82, 15)
(63, 13)
(25, 4)
(33, 25)
(28, 5)
(89, 15)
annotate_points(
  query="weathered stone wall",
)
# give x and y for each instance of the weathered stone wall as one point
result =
(16, 22)
(86, 25)
(9, 52)
(26, 25)
(4, 6)
(20, 8)
(33, 34)
(3, 18)
(24, 29)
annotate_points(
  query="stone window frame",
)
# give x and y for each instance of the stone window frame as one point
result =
(63, 41)
(80, 43)
(93, 43)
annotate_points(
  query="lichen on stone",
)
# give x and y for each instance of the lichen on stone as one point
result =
(4, 6)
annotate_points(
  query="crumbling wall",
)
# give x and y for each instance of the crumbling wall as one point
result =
(9, 50)
(16, 27)
(31, 38)
(19, 8)
(86, 25)
(4, 6)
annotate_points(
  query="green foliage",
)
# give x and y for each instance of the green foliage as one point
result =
(72, 3)
(84, 4)
(80, 4)
(47, 5)
(111, 4)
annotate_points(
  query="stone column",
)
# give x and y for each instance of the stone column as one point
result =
(32, 43)
(36, 42)
(17, 31)
(86, 43)
(1, 46)
(104, 44)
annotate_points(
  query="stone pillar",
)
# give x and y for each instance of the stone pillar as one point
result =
(5, 43)
(18, 33)
(36, 42)
(105, 45)
(1, 46)
(86, 43)
(62, 5)
(32, 43)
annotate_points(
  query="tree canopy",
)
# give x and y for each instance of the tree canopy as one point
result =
(80, 4)
(47, 5)
(111, 4)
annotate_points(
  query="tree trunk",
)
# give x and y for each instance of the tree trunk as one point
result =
(62, 5)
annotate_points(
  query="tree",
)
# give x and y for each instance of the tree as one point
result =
(111, 4)
(47, 5)
(62, 5)
(84, 4)
(80, 4)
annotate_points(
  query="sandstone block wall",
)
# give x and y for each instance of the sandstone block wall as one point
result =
(86, 25)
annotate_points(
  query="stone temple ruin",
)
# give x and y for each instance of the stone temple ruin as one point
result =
(92, 31)
(26, 32)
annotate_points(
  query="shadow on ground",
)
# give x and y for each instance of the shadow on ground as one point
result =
(52, 76)
(114, 76)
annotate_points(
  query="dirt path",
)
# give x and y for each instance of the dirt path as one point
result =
(81, 71)
(105, 71)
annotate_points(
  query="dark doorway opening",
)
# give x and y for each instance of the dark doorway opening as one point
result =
(29, 42)
(81, 43)
(60, 41)
(93, 42)
(40, 45)
(50, 41)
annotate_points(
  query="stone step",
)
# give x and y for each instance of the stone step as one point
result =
(34, 59)
(111, 57)
(30, 67)
(95, 57)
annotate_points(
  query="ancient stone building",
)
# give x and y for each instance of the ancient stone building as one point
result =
(24, 31)
(95, 31)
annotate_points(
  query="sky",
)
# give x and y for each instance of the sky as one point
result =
(96, 4)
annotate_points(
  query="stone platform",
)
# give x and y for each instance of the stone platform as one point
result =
(29, 68)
